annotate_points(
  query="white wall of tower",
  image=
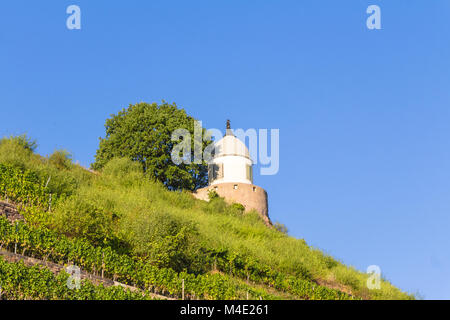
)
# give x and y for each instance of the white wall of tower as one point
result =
(235, 169)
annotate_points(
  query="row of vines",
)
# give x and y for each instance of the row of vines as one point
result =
(24, 187)
(20, 282)
(44, 244)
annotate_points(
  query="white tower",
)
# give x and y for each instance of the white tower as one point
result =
(232, 162)
(230, 175)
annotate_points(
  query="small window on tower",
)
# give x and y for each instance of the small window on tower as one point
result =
(235, 187)
(249, 173)
(211, 173)
(254, 189)
(220, 171)
(215, 172)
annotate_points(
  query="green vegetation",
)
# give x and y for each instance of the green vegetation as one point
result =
(143, 133)
(136, 231)
(19, 282)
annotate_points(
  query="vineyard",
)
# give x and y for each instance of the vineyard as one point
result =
(46, 245)
(19, 282)
(232, 275)
(24, 187)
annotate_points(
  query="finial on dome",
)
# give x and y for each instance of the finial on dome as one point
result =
(229, 131)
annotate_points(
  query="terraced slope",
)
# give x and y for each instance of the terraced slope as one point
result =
(124, 226)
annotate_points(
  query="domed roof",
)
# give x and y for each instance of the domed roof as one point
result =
(229, 145)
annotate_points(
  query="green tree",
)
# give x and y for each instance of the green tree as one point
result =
(142, 133)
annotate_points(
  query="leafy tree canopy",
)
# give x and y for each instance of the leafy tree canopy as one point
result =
(142, 133)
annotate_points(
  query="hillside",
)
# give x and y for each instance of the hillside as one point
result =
(123, 226)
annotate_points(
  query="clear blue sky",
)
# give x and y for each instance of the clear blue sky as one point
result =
(364, 116)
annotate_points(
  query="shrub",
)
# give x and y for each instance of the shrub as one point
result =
(238, 207)
(163, 240)
(212, 194)
(25, 142)
(14, 151)
(61, 159)
(76, 217)
(281, 227)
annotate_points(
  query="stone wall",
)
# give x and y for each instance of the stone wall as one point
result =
(249, 195)
(9, 211)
